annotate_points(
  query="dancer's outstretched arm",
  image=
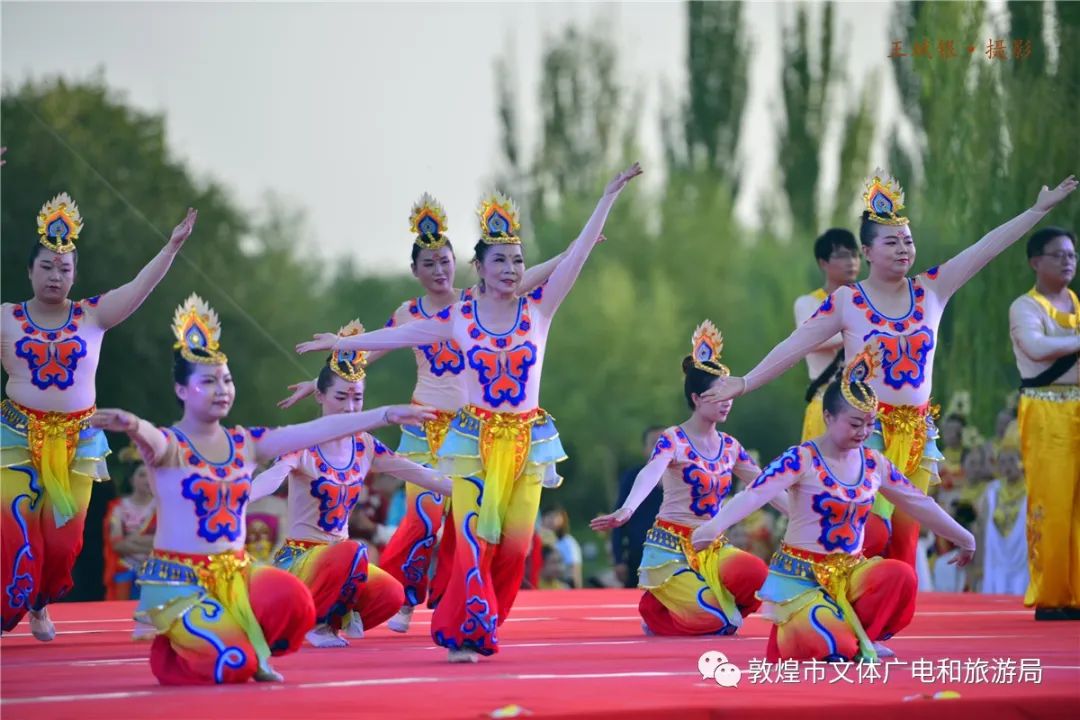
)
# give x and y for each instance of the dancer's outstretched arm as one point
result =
(117, 305)
(303, 389)
(421, 332)
(952, 275)
(646, 480)
(771, 484)
(823, 325)
(386, 462)
(282, 440)
(276, 441)
(537, 275)
(563, 277)
(268, 481)
(898, 490)
(748, 471)
(148, 439)
(805, 307)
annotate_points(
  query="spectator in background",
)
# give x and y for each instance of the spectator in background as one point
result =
(1002, 525)
(1005, 424)
(951, 469)
(129, 530)
(979, 470)
(552, 572)
(558, 522)
(628, 541)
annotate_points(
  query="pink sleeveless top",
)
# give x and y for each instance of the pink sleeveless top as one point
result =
(51, 368)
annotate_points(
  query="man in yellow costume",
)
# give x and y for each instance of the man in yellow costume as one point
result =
(837, 255)
(1045, 328)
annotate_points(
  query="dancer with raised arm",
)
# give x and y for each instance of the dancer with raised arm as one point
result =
(689, 592)
(351, 594)
(218, 619)
(826, 599)
(441, 385)
(50, 456)
(502, 446)
(901, 316)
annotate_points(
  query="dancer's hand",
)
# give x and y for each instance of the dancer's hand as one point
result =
(299, 391)
(962, 557)
(620, 180)
(182, 231)
(612, 520)
(728, 388)
(118, 421)
(702, 537)
(409, 414)
(321, 341)
(1049, 198)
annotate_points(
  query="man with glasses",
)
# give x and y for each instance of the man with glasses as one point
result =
(838, 257)
(1045, 328)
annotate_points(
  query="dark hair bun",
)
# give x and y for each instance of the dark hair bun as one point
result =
(687, 364)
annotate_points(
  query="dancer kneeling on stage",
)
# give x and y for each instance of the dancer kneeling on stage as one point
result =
(688, 592)
(217, 618)
(350, 593)
(826, 600)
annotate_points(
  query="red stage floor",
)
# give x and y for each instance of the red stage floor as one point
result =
(572, 654)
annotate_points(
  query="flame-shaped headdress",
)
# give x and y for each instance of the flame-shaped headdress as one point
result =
(428, 222)
(198, 332)
(349, 364)
(707, 344)
(59, 224)
(499, 220)
(860, 372)
(884, 198)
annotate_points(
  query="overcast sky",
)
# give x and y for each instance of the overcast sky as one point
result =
(358, 108)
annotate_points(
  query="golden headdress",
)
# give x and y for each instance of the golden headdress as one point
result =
(59, 224)
(499, 220)
(707, 344)
(859, 372)
(884, 198)
(198, 332)
(349, 364)
(428, 222)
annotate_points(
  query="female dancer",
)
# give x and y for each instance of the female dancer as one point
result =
(350, 593)
(901, 316)
(826, 600)
(439, 384)
(219, 619)
(50, 347)
(687, 592)
(502, 445)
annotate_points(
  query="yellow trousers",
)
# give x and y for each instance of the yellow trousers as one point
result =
(1049, 422)
(813, 424)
